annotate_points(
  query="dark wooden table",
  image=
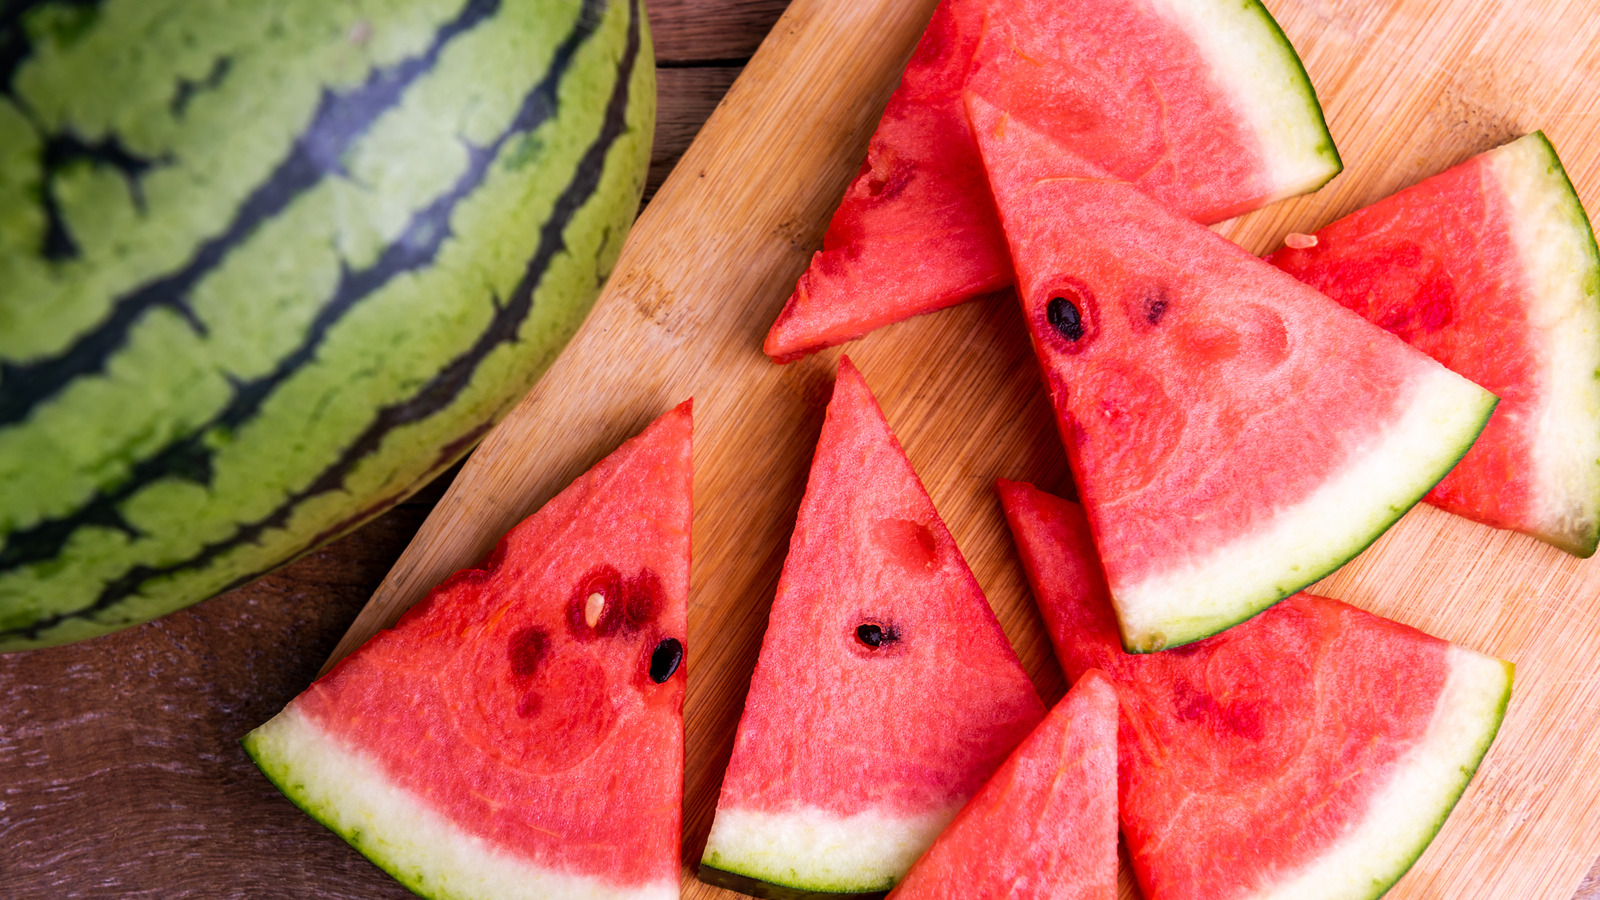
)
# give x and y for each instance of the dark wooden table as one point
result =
(120, 769)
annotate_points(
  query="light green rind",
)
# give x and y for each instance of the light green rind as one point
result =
(171, 381)
(766, 890)
(1198, 598)
(1249, 55)
(813, 851)
(1555, 244)
(345, 790)
(1367, 863)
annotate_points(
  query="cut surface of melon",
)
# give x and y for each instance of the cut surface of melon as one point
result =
(1234, 434)
(1490, 267)
(348, 792)
(519, 731)
(1203, 104)
(1311, 752)
(885, 692)
(1369, 858)
(1318, 533)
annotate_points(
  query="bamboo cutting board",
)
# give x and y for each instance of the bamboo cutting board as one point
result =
(1409, 88)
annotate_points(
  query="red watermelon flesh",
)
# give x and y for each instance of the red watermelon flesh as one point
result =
(1234, 434)
(1205, 105)
(519, 733)
(1045, 824)
(1312, 751)
(885, 691)
(1491, 269)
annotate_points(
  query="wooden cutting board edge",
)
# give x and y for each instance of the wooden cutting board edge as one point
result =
(736, 216)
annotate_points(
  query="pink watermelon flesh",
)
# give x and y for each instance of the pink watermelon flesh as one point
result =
(1045, 824)
(526, 738)
(885, 692)
(1440, 264)
(1234, 434)
(1253, 763)
(916, 230)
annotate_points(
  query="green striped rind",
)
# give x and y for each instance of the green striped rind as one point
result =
(345, 790)
(1250, 56)
(343, 349)
(1561, 268)
(1405, 814)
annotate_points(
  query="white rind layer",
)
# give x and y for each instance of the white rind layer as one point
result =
(1308, 540)
(1249, 55)
(1403, 817)
(814, 849)
(346, 791)
(1556, 248)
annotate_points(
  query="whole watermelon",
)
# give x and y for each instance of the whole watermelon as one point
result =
(267, 267)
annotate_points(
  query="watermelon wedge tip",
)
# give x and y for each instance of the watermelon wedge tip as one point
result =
(1234, 435)
(1044, 826)
(885, 692)
(519, 732)
(1203, 104)
(1491, 268)
(1311, 752)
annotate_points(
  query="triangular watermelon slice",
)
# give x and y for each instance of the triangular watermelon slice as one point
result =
(519, 733)
(1044, 827)
(1313, 751)
(1203, 102)
(1491, 269)
(885, 692)
(1234, 434)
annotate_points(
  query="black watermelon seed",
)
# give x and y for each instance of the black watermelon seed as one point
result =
(875, 636)
(1154, 309)
(665, 660)
(1065, 318)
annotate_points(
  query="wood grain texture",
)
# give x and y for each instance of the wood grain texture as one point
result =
(687, 97)
(120, 772)
(695, 32)
(121, 775)
(1409, 89)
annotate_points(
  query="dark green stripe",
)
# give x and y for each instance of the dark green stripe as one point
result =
(341, 119)
(766, 890)
(16, 45)
(443, 388)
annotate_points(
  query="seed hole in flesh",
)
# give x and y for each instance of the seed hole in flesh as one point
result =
(1065, 318)
(875, 636)
(665, 660)
(593, 607)
(526, 651)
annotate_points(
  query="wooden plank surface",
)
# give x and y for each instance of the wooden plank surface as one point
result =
(122, 775)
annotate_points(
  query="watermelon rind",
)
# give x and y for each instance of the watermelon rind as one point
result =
(1199, 598)
(1405, 815)
(755, 887)
(1250, 55)
(816, 851)
(346, 791)
(1561, 266)
(270, 268)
